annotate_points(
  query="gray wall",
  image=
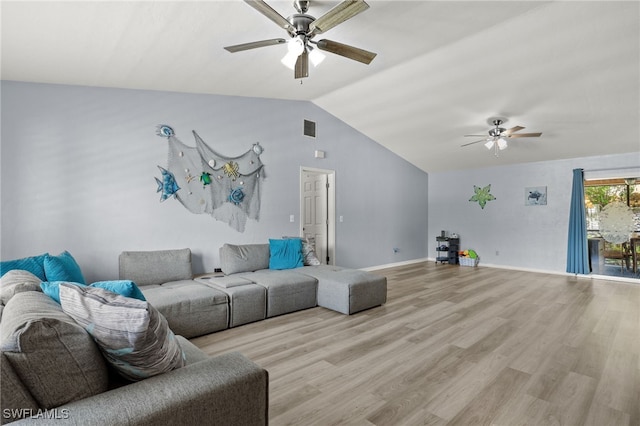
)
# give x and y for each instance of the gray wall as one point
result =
(526, 237)
(78, 167)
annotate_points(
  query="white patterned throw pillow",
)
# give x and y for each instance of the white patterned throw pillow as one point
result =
(309, 252)
(132, 335)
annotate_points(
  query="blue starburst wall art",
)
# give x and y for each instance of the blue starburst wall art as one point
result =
(482, 195)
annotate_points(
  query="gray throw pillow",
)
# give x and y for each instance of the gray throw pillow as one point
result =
(132, 335)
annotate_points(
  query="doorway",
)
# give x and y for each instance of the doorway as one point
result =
(317, 211)
(610, 257)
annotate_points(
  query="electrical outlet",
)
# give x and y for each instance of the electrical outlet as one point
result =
(497, 253)
(292, 218)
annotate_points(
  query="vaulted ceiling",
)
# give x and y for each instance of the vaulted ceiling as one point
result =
(568, 69)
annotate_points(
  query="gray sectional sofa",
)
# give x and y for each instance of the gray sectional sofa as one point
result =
(54, 370)
(54, 373)
(248, 291)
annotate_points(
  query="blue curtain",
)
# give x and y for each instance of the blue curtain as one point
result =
(577, 249)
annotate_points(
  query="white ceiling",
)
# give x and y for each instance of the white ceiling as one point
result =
(569, 69)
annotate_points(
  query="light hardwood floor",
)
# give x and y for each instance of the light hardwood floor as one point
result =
(455, 346)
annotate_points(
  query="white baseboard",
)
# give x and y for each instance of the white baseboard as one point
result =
(392, 265)
(566, 274)
(513, 268)
(612, 278)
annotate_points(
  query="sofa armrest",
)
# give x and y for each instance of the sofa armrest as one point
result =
(228, 389)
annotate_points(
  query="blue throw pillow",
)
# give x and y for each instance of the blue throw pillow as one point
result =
(63, 268)
(122, 287)
(33, 264)
(285, 254)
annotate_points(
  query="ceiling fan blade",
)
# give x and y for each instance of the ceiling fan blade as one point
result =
(513, 130)
(475, 136)
(343, 11)
(254, 45)
(347, 51)
(525, 135)
(471, 143)
(270, 13)
(302, 66)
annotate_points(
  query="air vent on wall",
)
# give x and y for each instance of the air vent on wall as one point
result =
(310, 128)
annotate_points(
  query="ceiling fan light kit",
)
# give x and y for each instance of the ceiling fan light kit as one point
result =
(315, 56)
(498, 135)
(302, 28)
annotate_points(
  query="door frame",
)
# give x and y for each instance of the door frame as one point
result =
(331, 208)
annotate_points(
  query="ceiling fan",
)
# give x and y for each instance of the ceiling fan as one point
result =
(498, 135)
(302, 28)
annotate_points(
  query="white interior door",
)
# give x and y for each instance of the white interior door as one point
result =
(314, 221)
(316, 205)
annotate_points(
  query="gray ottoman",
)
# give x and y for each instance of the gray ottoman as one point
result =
(347, 290)
(287, 291)
(247, 301)
(191, 309)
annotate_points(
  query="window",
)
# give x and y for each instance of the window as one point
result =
(599, 193)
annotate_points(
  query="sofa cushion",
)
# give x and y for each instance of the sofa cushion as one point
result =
(17, 281)
(133, 336)
(124, 288)
(285, 253)
(33, 264)
(287, 291)
(54, 357)
(224, 282)
(244, 258)
(155, 267)
(347, 290)
(191, 308)
(63, 268)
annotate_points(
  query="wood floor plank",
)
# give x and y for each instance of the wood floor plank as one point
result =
(618, 387)
(467, 386)
(524, 410)
(552, 372)
(488, 403)
(571, 400)
(601, 415)
(455, 346)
